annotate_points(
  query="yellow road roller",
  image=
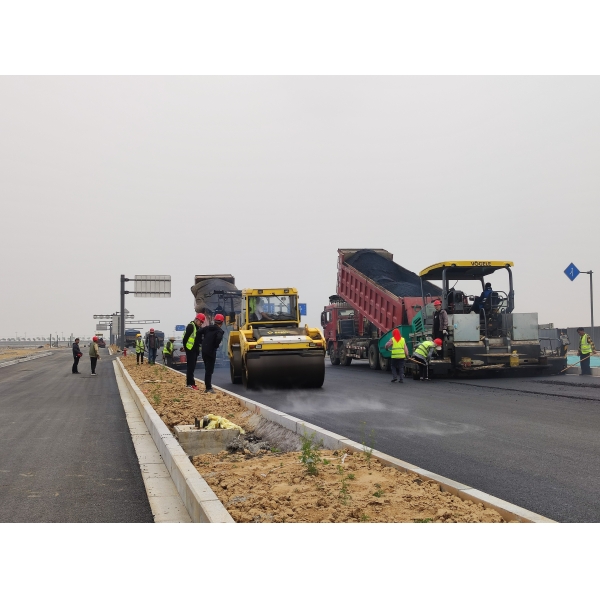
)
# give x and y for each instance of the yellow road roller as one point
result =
(268, 348)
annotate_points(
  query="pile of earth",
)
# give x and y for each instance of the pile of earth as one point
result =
(349, 487)
(394, 278)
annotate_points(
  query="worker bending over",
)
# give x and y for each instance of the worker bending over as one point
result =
(191, 344)
(423, 353)
(140, 347)
(211, 339)
(586, 349)
(168, 352)
(399, 353)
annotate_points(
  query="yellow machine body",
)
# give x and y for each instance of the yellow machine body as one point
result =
(269, 348)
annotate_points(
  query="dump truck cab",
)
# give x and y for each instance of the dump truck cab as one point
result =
(269, 347)
(484, 332)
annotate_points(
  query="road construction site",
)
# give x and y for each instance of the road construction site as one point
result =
(67, 453)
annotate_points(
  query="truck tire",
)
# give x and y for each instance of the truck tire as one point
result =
(344, 359)
(374, 357)
(235, 366)
(334, 357)
(385, 364)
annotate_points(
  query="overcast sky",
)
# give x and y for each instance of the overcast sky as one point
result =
(266, 177)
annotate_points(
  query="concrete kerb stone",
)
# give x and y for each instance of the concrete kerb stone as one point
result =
(200, 501)
(333, 441)
(24, 359)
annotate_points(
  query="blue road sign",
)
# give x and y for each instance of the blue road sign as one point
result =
(572, 271)
(179, 327)
(302, 309)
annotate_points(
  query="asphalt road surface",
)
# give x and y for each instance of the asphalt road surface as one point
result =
(66, 453)
(531, 441)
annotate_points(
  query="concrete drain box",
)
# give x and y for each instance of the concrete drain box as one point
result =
(203, 441)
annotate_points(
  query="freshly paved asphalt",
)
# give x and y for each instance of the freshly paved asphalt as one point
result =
(531, 441)
(66, 453)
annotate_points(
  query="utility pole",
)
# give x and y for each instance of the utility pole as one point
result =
(591, 300)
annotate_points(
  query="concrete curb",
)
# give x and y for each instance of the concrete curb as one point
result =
(27, 358)
(200, 501)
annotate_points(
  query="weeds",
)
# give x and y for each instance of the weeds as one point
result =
(379, 491)
(275, 450)
(422, 520)
(156, 398)
(364, 518)
(326, 462)
(310, 455)
(367, 444)
(344, 492)
(351, 476)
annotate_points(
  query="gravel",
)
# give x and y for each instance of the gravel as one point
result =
(394, 278)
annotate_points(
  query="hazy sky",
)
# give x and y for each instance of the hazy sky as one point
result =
(266, 177)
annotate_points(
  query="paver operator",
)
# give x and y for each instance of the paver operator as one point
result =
(140, 347)
(211, 339)
(94, 354)
(586, 349)
(423, 353)
(168, 352)
(191, 345)
(399, 353)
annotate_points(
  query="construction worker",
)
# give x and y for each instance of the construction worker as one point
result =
(211, 339)
(480, 302)
(168, 352)
(152, 343)
(586, 349)
(440, 324)
(140, 347)
(94, 354)
(191, 345)
(423, 353)
(399, 353)
(76, 356)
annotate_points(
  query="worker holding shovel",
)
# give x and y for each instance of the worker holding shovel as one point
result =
(423, 353)
(586, 349)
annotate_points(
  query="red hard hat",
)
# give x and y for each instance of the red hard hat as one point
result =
(437, 342)
(94, 339)
(200, 317)
(151, 329)
(437, 303)
(219, 318)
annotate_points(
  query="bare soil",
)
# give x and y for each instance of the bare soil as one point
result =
(257, 484)
(12, 353)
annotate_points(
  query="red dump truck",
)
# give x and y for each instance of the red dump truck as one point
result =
(374, 295)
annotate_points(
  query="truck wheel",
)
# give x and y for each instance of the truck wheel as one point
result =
(344, 359)
(385, 364)
(374, 357)
(334, 357)
(235, 366)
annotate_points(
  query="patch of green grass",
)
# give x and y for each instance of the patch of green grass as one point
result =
(344, 494)
(379, 493)
(422, 520)
(364, 518)
(310, 455)
(351, 476)
(326, 462)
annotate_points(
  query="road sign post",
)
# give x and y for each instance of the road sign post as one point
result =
(571, 272)
(145, 286)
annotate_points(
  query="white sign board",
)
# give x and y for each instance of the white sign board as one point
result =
(152, 286)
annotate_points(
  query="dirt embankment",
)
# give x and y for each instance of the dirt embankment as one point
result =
(13, 353)
(257, 482)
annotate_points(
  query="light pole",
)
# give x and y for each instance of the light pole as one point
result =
(591, 300)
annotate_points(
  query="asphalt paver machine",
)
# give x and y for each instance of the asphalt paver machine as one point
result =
(484, 333)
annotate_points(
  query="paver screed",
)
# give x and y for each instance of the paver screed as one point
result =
(66, 453)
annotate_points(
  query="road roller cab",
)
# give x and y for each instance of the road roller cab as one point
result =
(269, 348)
